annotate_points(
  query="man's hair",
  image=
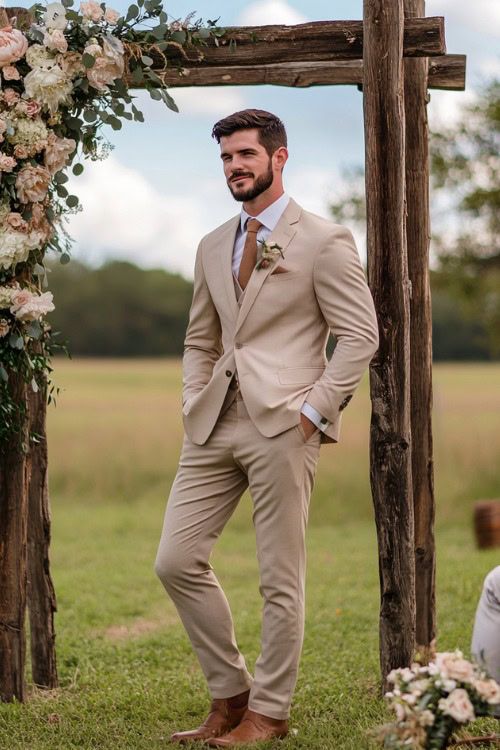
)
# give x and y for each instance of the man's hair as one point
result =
(271, 132)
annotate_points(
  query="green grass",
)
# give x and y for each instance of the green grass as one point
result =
(128, 675)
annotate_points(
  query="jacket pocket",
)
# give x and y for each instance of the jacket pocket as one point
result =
(299, 375)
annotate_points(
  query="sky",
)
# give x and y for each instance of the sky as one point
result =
(162, 188)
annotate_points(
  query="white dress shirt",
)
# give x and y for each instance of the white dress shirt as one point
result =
(269, 217)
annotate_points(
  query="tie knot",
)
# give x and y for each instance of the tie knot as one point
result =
(253, 225)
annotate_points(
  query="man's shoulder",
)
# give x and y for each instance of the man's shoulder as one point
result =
(219, 231)
(321, 223)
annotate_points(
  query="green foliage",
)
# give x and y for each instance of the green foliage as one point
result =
(465, 209)
(120, 309)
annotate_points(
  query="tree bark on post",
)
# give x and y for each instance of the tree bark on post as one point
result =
(41, 593)
(14, 479)
(390, 436)
(418, 236)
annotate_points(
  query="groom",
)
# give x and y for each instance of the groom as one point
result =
(259, 397)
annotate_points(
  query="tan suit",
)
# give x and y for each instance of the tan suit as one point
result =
(273, 339)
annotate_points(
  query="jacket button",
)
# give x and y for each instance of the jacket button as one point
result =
(228, 373)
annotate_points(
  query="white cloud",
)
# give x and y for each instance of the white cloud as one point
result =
(264, 12)
(124, 216)
(482, 16)
(215, 101)
(445, 110)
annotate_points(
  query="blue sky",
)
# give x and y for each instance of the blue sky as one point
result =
(162, 187)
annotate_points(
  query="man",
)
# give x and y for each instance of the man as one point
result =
(259, 397)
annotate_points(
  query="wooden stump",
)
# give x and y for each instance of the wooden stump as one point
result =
(487, 523)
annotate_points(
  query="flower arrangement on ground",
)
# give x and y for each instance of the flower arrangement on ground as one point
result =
(432, 701)
(63, 76)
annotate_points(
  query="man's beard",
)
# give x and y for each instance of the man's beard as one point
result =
(261, 184)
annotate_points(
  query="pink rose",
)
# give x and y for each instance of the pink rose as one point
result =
(71, 63)
(458, 706)
(91, 10)
(11, 97)
(111, 15)
(11, 73)
(55, 40)
(32, 183)
(20, 152)
(7, 163)
(39, 222)
(13, 45)
(57, 152)
(16, 221)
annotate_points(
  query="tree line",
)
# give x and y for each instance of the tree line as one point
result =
(122, 310)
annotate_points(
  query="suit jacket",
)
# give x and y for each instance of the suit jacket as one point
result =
(277, 338)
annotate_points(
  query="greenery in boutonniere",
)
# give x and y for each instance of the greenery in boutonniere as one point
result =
(268, 254)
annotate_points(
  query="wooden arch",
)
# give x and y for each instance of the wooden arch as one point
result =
(394, 55)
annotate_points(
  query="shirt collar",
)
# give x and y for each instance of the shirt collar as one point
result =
(270, 216)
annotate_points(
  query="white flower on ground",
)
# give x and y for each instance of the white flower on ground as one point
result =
(458, 706)
(453, 666)
(489, 690)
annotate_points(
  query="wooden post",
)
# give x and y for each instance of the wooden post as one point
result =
(390, 442)
(418, 236)
(41, 593)
(14, 478)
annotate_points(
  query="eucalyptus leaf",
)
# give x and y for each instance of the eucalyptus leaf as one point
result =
(89, 115)
(72, 200)
(170, 102)
(133, 12)
(61, 191)
(65, 258)
(16, 341)
(60, 177)
(78, 169)
(155, 94)
(179, 37)
(204, 33)
(88, 60)
(115, 123)
(4, 375)
(147, 60)
(34, 329)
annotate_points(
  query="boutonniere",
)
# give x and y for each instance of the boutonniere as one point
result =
(268, 254)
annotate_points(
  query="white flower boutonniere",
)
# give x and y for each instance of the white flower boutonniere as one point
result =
(268, 254)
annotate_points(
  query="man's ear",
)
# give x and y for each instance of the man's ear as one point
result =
(279, 157)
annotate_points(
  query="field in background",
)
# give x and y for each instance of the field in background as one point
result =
(116, 432)
(128, 675)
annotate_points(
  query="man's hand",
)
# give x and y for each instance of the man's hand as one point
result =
(308, 426)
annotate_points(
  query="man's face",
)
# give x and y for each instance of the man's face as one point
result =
(248, 168)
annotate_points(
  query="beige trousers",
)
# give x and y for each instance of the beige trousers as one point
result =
(209, 483)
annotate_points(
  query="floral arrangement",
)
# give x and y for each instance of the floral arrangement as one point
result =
(63, 75)
(268, 254)
(432, 701)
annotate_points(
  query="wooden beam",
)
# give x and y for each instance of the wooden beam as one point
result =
(305, 42)
(446, 72)
(390, 437)
(418, 238)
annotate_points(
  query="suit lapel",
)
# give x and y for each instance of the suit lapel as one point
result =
(226, 245)
(282, 235)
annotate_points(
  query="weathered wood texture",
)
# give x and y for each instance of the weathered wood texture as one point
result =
(14, 478)
(314, 41)
(446, 72)
(418, 238)
(390, 440)
(41, 593)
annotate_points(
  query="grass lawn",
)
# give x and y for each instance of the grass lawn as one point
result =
(128, 675)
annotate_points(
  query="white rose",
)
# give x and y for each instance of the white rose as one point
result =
(29, 306)
(454, 667)
(91, 10)
(55, 16)
(458, 706)
(50, 86)
(489, 690)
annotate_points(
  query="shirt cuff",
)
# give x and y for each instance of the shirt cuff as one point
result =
(311, 413)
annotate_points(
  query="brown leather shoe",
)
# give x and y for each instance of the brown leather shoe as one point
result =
(253, 727)
(225, 714)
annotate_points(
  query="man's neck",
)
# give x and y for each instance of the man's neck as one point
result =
(261, 202)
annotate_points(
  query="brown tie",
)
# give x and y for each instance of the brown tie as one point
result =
(249, 257)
